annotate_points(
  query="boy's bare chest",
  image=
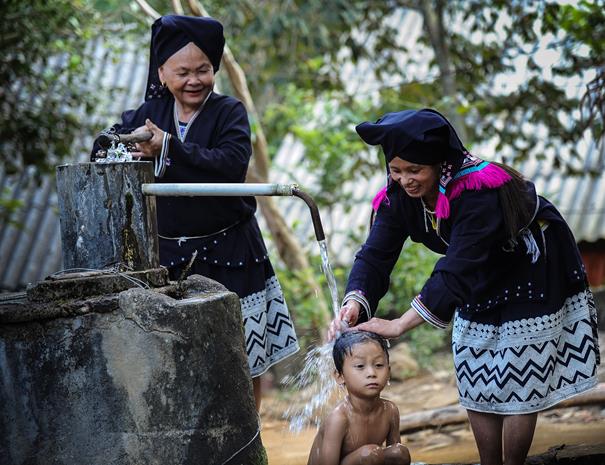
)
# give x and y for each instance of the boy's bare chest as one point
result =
(363, 430)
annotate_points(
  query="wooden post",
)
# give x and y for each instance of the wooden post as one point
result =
(105, 218)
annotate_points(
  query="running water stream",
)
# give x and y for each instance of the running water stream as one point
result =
(327, 269)
(315, 382)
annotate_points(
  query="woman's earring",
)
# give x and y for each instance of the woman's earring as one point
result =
(389, 382)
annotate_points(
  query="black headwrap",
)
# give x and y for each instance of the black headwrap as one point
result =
(426, 137)
(419, 136)
(171, 33)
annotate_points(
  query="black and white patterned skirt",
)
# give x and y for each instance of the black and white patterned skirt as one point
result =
(269, 332)
(529, 364)
(524, 357)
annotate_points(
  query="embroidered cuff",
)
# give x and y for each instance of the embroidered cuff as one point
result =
(426, 314)
(358, 296)
(160, 162)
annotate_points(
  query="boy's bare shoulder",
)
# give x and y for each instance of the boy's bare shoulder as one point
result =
(337, 418)
(339, 413)
(391, 406)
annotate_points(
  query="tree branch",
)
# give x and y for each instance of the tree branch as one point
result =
(432, 13)
(177, 7)
(148, 9)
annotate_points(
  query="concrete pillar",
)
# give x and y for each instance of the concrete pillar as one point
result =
(122, 368)
(144, 377)
(105, 218)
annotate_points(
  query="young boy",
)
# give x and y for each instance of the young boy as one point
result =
(355, 431)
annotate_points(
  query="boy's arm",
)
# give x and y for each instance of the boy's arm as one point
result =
(334, 432)
(394, 436)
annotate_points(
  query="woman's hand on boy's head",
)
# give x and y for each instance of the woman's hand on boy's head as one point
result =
(347, 317)
(386, 328)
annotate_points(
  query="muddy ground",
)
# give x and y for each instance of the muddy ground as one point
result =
(414, 389)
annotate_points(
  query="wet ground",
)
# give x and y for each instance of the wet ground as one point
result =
(455, 445)
(449, 444)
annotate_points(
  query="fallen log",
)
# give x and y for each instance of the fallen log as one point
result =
(570, 455)
(433, 418)
(454, 414)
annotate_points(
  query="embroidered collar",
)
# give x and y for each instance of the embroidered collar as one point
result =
(183, 134)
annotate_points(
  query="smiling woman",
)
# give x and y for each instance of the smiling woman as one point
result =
(418, 181)
(202, 136)
(189, 76)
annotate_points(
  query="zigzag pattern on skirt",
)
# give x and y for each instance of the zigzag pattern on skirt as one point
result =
(269, 332)
(528, 377)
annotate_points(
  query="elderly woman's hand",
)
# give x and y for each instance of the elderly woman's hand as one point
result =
(153, 147)
(347, 316)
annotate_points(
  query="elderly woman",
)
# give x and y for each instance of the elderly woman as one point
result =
(202, 136)
(511, 278)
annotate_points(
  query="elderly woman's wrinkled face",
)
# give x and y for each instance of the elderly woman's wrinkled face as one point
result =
(189, 76)
(417, 180)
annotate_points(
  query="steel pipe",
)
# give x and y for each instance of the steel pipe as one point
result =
(237, 190)
(317, 226)
(217, 189)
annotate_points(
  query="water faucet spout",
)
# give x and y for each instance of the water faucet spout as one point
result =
(317, 226)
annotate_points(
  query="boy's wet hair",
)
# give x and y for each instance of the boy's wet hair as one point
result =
(343, 346)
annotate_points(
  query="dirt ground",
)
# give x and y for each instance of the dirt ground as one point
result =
(414, 390)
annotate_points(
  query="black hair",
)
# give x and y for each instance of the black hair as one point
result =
(517, 206)
(343, 346)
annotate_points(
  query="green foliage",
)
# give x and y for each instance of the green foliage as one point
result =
(296, 42)
(540, 45)
(44, 70)
(332, 148)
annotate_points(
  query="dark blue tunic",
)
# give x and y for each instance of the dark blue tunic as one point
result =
(217, 149)
(476, 270)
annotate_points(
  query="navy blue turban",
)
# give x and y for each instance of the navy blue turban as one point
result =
(424, 137)
(171, 33)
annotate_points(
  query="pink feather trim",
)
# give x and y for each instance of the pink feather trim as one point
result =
(379, 197)
(442, 208)
(490, 177)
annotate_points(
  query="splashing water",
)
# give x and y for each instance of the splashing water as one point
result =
(116, 154)
(316, 386)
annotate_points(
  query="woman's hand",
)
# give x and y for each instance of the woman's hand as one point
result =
(347, 317)
(386, 328)
(393, 328)
(153, 147)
